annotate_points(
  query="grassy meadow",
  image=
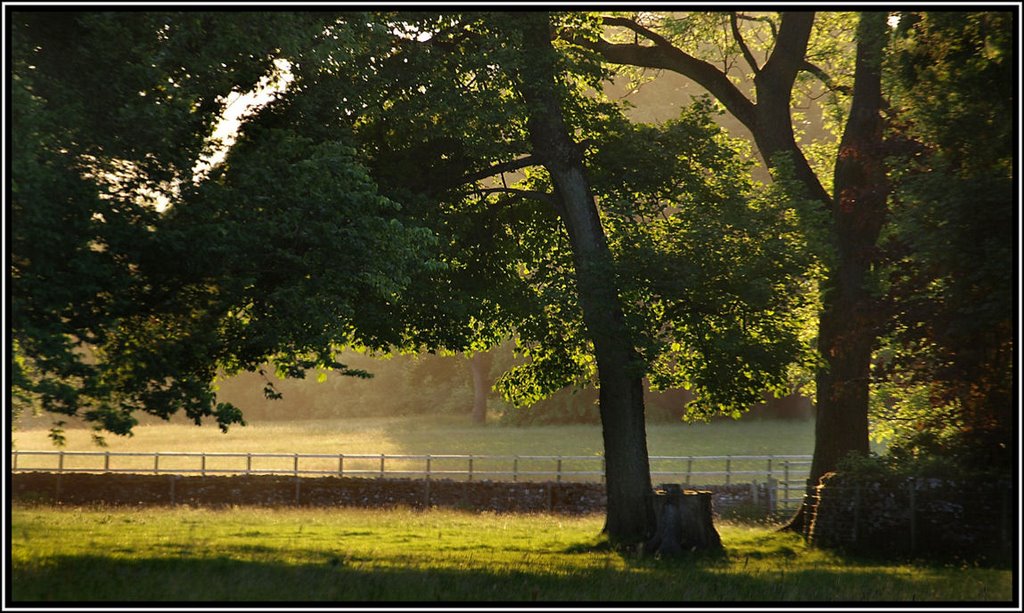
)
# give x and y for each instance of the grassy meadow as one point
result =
(434, 434)
(256, 554)
(94, 554)
(421, 435)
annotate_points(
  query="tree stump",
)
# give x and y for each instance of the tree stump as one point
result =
(685, 522)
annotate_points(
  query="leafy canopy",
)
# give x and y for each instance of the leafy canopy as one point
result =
(362, 206)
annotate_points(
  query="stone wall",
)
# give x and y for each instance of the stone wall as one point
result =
(275, 490)
(914, 517)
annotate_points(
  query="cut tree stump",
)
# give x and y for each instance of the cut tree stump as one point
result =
(685, 522)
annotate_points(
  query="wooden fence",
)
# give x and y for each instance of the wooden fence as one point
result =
(785, 475)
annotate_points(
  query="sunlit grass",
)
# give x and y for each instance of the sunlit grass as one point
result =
(438, 435)
(181, 553)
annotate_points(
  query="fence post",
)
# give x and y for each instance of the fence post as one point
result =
(341, 464)
(106, 461)
(470, 467)
(689, 468)
(248, 464)
(728, 470)
(202, 463)
(298, 481)
(156, 463)
(515, 469)
(558, 470)
(382, 466)
(428, 479)
(60, 463)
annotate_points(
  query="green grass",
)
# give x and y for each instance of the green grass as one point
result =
(439, 435)
(253, 554)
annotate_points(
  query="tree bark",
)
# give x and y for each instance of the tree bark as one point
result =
(630, 516)
(848, 327)
(846, 334)
(685, 522)
(480, 370)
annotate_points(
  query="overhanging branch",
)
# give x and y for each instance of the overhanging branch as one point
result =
(664, 55)
(747, 55)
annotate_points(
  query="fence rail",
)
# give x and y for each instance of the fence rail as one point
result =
(785, 475)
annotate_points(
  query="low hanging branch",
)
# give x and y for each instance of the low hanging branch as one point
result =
(664, 55)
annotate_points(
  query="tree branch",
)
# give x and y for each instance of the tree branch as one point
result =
(747, 55)
(825, 78)
(787, 56)
(545, 197)
(629, 24)
(509, 166)
(664, 55)
(767, 20)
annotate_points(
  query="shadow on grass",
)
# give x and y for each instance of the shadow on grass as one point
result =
(337, 578)
(633, 556)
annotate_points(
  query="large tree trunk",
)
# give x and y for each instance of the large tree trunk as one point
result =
(848, 326)
(480, 370)
(630, 515)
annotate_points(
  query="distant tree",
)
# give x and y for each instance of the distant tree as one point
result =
(480, 371)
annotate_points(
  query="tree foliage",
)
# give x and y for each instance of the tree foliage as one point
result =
(121, 307)
(387, 199)
(948, 364)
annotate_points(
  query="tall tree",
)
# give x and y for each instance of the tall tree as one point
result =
(847, 330)
(630, 514)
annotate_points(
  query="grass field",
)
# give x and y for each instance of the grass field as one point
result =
(439, 435)
(249, 554)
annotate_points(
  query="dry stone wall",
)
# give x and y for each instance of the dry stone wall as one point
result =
(275, 490)
(914, 517)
